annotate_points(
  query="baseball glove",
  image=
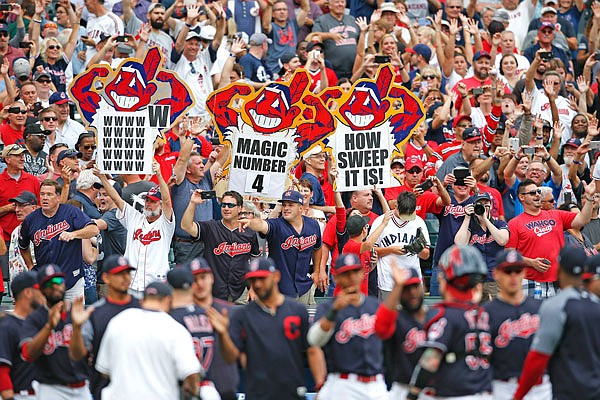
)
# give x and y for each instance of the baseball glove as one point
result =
(417, 244)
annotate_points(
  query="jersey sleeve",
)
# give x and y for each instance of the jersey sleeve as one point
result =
(273, 229)
(111, 220)
(7, 343)
(237, 330)
(352, 246)
(87, 332)
(513, 235)
(24, 238)
(31, 326)
(80, 219)
(374, 226)
(552, 323)
(254, 246)
(128, 215)
(186, 362)
(439, 331)
(423, 227)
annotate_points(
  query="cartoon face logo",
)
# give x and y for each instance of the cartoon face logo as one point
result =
(364, 109)
(129, 91)
(272, 110)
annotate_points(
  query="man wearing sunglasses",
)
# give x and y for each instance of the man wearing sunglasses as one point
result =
(35, 157)
(45, 339)
(227, 249)
(514, 320)
(12, 132)
(539, 236)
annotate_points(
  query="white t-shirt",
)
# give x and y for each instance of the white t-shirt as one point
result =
(541, 105)
(145, 353)
(147, 247)
(109, 24)
(198, 78)
(518, 21)
(397, 232)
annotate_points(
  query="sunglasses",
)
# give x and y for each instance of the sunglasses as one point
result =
(45, 81)
(17, 111)
(427, 77)
(89, 147)
(4, 34)
(512, 270)
(53, 47)
(465, 126)
(228, 205)
(533, 192)
(57, 280)
(48, 119)
(414, 171)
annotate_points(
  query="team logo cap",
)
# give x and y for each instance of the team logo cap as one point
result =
(115, 263)
(293, 196)
(572, 260)
(47, 272)
(198, 266)
(180, 278)
(157, 289)
(260, 268)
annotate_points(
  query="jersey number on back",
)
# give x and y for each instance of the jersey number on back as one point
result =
(204, 350)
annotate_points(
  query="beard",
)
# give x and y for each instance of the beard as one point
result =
(410, 308)
(52, 300)
(568, 160)
(151, 213)
(157, 24)
(264, 296)
(35, 304)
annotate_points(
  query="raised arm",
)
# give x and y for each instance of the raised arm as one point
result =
(187, 220)
(110, 190)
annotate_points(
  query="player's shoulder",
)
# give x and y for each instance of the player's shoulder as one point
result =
(371, 303)
(10, 324)
(435, 313)
(219, 305)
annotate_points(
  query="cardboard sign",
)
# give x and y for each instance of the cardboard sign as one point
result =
(129, 108)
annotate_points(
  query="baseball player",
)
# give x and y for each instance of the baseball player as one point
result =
(271, 331)
(116, 274)
(16, 375)
(195, 320)
(455, 360)
(45, 338)
(402, 329)
(567, 342)
(294, 240)
(226, 248)
(591, 276)
(514, 320)
(224, 376)
(345, 328)
(148, 234)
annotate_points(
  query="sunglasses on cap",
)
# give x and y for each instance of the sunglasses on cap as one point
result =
(57, 280)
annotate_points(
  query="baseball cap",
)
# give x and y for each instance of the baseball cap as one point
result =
(592, 268)
(25, 197)
(116, 263)
(546, 2)
(501, 127)
(157, 289)
(355, 224)
(284, 59)
(59, 98)
(546, 124)
(123, 48)
(432, 109)
(459, 118)
(471, 134)
(198, 266)
(3, 27)
(258, 39)
(13, 150)
(68, 153)
(546, 24)
(501, 16)
(423, 50)
(33, 129)
(482, 196)
(413, 161)
(180, 278)
(509, 258)
(291, 195)
(153, 194)
(102, 37)
(388, 7)
(260, 268)
(481, 54)
(397, 160)
(548, 10)
(192, 34)
(207, 32)
(41, 74)
(311, 45)
(21, 67)
(347, 262)
(48, 272)
(152, 6)
(50, 24)
(572, 259)
(413, 279)
(573, 142)
(24, 280)
(312, 152)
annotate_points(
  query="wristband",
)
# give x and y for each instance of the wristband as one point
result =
(547, 159)
(577, 162)
(539, 138)
(494, 157)
(425, 145)
(39, 21)
(588, 199)
(188, 25)
(517, 158)
(464, 96)
(331, 314)
(231, 55)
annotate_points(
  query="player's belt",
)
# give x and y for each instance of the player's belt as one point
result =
(205, 383)
(76, 384)
(360, 378)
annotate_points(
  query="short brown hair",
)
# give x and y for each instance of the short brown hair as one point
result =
(49, 182)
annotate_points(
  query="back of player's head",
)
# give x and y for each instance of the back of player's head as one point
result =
(462, 267)
(180, 278)
(572, 260)
(157, 290)
(24, 280)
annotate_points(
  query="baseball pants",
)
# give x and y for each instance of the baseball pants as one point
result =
(336, 388)
(399, 391)
(504, 390)
(27, 396)
(76, 291)
(478, 396)
(61, 392)
(208, 391)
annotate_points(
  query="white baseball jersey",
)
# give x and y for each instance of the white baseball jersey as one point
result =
(147, 247)
(109, 24)
(397, 232)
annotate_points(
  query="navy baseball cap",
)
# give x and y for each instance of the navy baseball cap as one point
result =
(432, 109)
(158, 289)
(471, 134)
(48, 272)
(573, 142)
(180, 278)
(422, 50)
(592, 268)
(116, 263)
(413, 279)
(260, 268)
(482, 196)
(3, 27)
(572, 260)
(198, 266)
(355, 224)
(547, 24)
(481, 54)
(293, 196)
(153, 194)
(24, 280)
(68, 153)
(59, 98)
(509, 258)
(25, 197)
(347, 262)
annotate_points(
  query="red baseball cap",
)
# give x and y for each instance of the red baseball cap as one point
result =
(459, 118)
(413, 161)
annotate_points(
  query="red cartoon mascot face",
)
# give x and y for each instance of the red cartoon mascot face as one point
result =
(365, 109)
(272, 109)
(129, 90)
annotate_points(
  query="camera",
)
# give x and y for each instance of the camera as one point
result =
(479, 209)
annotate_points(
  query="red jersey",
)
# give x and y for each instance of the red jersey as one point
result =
(12, 188)
(315, 78)
(540, 236)
(426, 203)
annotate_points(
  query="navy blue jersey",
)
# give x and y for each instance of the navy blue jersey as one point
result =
(227, 252)
(224, 376)
(512, 328)
(292, 253)
(93, 332)
(21, 372)
(404, 348)
(569, 331)
(451, 218)
(54, 366)
(195, 320)
(354, 347)
(483, 241)
(461, 332)
(274, 345)
(44, 233)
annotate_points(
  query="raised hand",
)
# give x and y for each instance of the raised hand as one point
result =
(79, 314)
